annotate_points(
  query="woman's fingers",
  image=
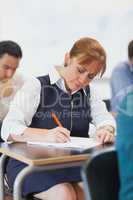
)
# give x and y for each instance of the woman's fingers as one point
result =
(58, 134)
(109, 138)
(65, 133)
(61, 137)
(104, 136)
(101, 137)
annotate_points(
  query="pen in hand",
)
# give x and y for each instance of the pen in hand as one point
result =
(57, 122)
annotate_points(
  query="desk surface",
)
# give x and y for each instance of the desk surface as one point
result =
(37, 155)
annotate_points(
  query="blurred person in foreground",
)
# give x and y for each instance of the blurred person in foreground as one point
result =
(124, 146)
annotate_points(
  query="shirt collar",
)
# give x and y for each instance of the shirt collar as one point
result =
(54, 75)
(55, 78)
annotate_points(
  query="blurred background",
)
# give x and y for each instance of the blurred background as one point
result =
(46, 30)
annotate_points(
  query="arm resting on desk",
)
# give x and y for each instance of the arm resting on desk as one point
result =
(30, 134)
(58, 134)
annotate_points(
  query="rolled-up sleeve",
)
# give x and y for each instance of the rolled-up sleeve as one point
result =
(22, 109)
(99, 113)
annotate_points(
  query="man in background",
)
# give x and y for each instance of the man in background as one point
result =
(10, 82)
(122, 79)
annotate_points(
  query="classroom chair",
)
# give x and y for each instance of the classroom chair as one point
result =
(101, 177)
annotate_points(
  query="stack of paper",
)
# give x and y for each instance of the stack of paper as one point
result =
(75, 142)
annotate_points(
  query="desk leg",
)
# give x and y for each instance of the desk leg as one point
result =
(17, 191)
(3, 159)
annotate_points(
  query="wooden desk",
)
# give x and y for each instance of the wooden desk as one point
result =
(39, 158)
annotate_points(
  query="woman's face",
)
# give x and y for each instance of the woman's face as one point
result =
(78, 76)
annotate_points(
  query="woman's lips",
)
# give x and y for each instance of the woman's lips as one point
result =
(78, 85)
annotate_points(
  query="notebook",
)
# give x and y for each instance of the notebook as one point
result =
(75, 142)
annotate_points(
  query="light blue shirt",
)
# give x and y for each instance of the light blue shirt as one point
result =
(121, 83)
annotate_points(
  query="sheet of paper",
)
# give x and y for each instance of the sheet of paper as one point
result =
(75, 142)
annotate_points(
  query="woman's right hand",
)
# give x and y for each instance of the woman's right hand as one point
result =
(58, 134)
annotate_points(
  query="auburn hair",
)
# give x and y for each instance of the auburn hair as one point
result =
(87, 50)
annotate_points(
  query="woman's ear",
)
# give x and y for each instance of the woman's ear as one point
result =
(66, 59)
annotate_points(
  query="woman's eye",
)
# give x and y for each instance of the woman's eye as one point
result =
(80, 70)
(90, 77)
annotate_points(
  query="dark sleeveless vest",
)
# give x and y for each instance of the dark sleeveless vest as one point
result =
(73, 111)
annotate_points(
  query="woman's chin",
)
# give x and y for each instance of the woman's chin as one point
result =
(75, 89)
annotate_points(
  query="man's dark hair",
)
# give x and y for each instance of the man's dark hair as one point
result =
(11, 48)
(130, 49)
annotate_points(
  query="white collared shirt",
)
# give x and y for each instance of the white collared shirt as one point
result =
(27, 100)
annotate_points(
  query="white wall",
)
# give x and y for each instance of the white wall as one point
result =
(47, 29)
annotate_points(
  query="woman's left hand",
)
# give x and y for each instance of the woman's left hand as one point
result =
(105, 134)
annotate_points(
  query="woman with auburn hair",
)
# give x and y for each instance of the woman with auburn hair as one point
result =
(67, 92)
